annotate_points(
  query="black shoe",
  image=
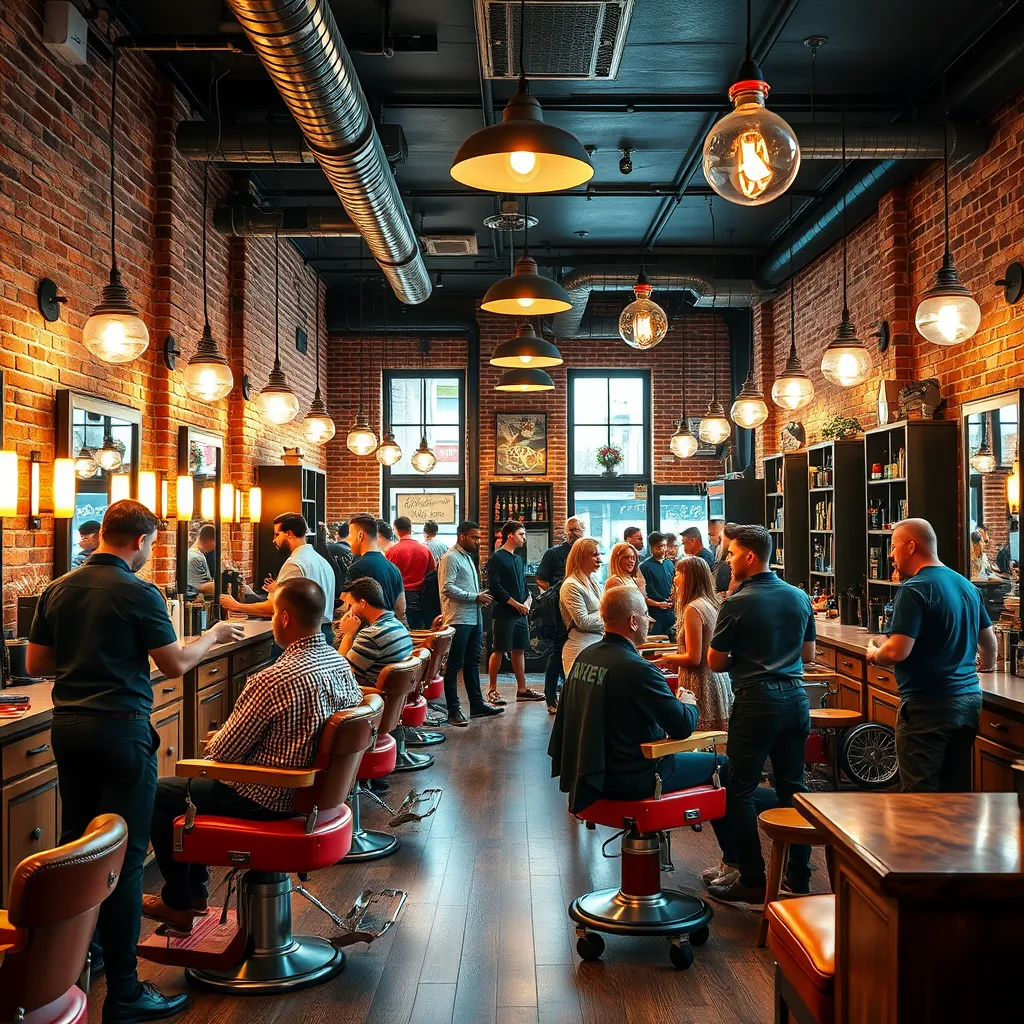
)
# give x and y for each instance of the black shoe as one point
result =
(802, 888)
(380, 785)
(486, 711)
(149, 1004)
(738, 895)
(457, 718)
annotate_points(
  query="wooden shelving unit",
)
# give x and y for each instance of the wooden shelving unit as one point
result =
(530, 504)
(736, 500)
(786, 515)
(286, 489)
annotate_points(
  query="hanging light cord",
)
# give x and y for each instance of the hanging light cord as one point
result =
(113, 109)
(846, 311)
(945, 165)
(748, 29)
(522, 48)
(316, 313)
(714, 294)
(277, 291)
(682, 335)
(792, 285)
(215, 103)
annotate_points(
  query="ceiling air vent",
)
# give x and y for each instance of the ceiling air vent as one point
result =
(450, 245)
(564, 38)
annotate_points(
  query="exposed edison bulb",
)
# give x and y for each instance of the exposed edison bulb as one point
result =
(277, 407)
(749, 411)
(361, 439)
(208, 382)
(948, 319)
(523, 165)
(643, 324)
(753, 173)
(846, 366)
(318, 428)
(714, 427)
(643, 332)
(793, 393)
(683, 444)
(423, 459)
(390, 452)
(525, 303)
(115, 337)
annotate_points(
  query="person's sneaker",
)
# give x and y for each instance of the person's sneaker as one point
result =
(486, 711)
(720, 875)
(149, 1004)
(552, 709)
(457, 718)
(179, 921)
(738, 895)
(529, 694)
(379, 785)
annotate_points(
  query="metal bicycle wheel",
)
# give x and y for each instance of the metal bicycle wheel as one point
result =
(869, 755)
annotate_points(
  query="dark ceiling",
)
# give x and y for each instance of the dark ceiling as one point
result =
(882, 63)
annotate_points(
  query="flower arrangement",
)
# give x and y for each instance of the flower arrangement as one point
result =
(609, 456)
(839, 427)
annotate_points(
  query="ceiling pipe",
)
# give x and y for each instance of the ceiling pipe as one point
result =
(290, 222)
(300, 46)
(243, 142)
(892, 142)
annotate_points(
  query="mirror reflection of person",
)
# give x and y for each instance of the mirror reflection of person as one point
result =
(88, 542)
(200, 578)
(981, 568)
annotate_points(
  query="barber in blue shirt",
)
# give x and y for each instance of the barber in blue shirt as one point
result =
(658, 572)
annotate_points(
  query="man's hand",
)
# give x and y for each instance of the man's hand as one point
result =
(524, 609)
(226, 632)
(686, 696)
(529, 602)
(872, 651)
(270, 585)
(663, 604)
(484, 598)
(349, 623)
(228, 603)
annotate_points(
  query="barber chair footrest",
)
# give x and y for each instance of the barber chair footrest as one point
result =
(670, 913)
(308, 961)
(210, 946)
(368, 845)
(416, 807)
(427, 737)
(372, 915)
(408, 761)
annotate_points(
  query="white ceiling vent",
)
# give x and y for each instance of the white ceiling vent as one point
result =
(564, 38)
(450, 245)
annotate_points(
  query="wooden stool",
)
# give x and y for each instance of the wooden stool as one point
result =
(836, 720)
(785, 826)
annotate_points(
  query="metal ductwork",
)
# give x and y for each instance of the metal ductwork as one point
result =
(893, 142)
(290, 221)
(243, 142)
(300, 46)
(695, 279)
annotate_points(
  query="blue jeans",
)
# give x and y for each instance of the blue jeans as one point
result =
(553, 673)
(464, 654)
(770, 719)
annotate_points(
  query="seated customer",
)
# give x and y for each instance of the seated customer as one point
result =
(369, 636)
(200, 579)
(276, 723)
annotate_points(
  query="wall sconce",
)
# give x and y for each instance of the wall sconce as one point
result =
(34, 521)
(1013, 490)
(207, 509)
(8, 484)
(164, 505)
(185, 499)
(227, 503)
(147, 490)
(255, 504)
(1013, 283)
(238, 505)
(49, 300)
(120, 487)
(63, 488)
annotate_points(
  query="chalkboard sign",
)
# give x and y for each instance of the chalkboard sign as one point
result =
(418, 508)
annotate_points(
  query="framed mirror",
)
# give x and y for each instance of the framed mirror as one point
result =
(105, 440)
(199, 547)
(991, 499)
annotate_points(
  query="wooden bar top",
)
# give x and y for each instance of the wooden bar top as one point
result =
(924, 846)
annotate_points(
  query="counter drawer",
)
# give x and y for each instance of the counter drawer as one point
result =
(211, 711)
(167, 724)
(27, 754)
(882, 678)
(30, 821)
(850, 665)
(249, 658)
(824, 656)
(211, 672)
(167, 690)
(851, 697)
(992, 767)
(882, 706)
(1002, 729)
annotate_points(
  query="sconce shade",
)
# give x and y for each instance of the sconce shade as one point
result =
(255, 504)
(63, 488)
(8, 483)
(185, 498)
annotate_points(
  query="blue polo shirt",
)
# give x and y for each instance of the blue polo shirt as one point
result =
(658, 576)
(944, 614)
(764, 626)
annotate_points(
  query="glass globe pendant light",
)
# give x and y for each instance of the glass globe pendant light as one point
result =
(984, 460)
(85, 464)
(793, 389)
(526, 349)
(277, 403)
(423, 459)
(751, 156)
(683, 444)
(750, 409)
(643, 323)
(714, 426)
(317, 427)
(389, 451)
(109, 457)
(522, 154)
(115, 332)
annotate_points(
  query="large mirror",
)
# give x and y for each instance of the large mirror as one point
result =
(992, 501)
(105, 439)
(200, 538)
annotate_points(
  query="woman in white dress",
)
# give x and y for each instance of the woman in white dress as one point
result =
(579, 600)
(624, 568)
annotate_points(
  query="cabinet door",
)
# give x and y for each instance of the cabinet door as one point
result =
(991, 770)
(211, 711)
(850, 697)
(31, 810)
(882, 706)
(167, 723)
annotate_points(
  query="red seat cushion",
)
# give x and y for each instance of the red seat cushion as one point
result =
(802, 938)
(267, 845)
(70, 1008)
(672, 678)
(687, 807)
(434, 690)
(414, 714)
(379, 761)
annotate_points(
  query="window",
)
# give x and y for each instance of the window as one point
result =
(609, 408)
(679, 508)
(605, 515)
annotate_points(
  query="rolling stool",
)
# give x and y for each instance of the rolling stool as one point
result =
(835, 721)
(785, 826)
(439, 643)
(802, 938)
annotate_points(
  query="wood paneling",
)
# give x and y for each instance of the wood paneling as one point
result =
(850, 665)
(252, 657)
(167, 690)
(991, 770)
(824, 655)
(211, 672)
(211, 709)
(1001, 728)
(168, 724)
(881, 678)
(851, 696)
(882, 706)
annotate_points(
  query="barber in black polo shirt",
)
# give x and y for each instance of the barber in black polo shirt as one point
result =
(95, 630)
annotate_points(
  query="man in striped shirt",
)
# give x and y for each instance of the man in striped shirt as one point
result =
(369, 635)
(276, 723)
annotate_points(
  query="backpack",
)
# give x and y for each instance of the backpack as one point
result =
(546, 617)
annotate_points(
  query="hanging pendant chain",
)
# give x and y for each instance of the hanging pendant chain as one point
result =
(792, 286)
(113, 109)
(945, 165)
(277, 291)
(714, 293)
(846, 311)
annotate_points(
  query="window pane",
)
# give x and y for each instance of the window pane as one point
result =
(586, 441)
(631, 441)
(443, 439)
(446, 531)
(1008, 435)
(405, 400)
(605, 515)
(590, 399)
(442, 400)
(681, 511)
(627, 397)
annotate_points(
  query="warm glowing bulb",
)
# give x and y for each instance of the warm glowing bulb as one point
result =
(523, 164)
(255, 504)
(389, 453)
(752, 170)
(793, 393)
(683, 444)
(525, 303)
(526, 360)
(227, 503)
(278, 407)
(318, 429)
(208, 382)
(748, 412)
(147, 490)
(63, 488)
(115, 337)
(185, 498)
(714, 429)
(120, 487)
(1013, 490)
(948, 322)
(85, 464)
(361, 440)
(33, 489)
(8, 483)
(207, 506)
(948, 319)
(642, 330)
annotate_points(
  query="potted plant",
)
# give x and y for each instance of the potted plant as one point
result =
(609, 456)
(840, 427)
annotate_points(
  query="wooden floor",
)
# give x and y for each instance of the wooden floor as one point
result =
(485, 936)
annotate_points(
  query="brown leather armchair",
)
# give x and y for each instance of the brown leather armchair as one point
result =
(44, 935)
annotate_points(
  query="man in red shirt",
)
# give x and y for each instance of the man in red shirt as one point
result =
(413, 561)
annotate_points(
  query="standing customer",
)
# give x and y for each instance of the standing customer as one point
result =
(764, 635)
(624, 569)
(724, 583)
(414, 561)
(580, 601)
(658, 573)
(461, 604)
(693, 545)
(939, 624)
(94, 631)
(437, 547)
(672, 547)
(696, 616)
(550, 573)
(510, 625)
(634, 536)
(362, 535)
(715, 528)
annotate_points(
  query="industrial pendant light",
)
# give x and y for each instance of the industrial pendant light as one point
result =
(317, 427)
(277, 402)
(845, 362)
(526, 349)
(522, 154)
(751, 155)
(423, 459)
(643, 323)
(389, 451)
(114, 331)
(526, 379)
(361, 439)
(948, 313)
(109, 457)
(714, 426)
(683, 444)
(793, 389)
(750, 409)
(85, 463)
(983, 460)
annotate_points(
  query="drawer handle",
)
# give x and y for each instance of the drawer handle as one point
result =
(213, 671)
(37, 833)
(997, 726)
(168, 689)
(41, 749)
(170, 751)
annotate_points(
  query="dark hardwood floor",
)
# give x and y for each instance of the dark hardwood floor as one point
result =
(484, 936)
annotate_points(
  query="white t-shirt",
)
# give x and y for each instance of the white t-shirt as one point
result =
(304, 561)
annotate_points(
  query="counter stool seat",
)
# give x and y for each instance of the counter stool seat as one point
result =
(834, 718)
(802, 938)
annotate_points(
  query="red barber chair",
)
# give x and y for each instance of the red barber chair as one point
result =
(639, 906)
(45, 932)
(251, 950)
(414, 715)
(394, 685)
(439, 643)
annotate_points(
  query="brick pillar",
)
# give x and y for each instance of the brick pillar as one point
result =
(893, 258)
(765, 370)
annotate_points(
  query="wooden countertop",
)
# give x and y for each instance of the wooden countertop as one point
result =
(998, 688)
(41, 710)
(924, 846)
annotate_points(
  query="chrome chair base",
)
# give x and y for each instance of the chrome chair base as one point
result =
(369, 845)
(423, 737)
(309, 961)
(669, 913)
(408, 761)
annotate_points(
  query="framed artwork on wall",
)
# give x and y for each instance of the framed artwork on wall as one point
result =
(521, 444)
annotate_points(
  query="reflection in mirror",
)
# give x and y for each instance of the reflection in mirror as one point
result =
(199, 544)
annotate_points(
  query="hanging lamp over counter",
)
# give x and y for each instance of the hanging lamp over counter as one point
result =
(714, 427)
(792, 389)
(317, 427)
(277, 402)
(389, 451)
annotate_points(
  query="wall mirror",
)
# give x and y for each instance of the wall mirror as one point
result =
(200, 456)
(105, 440)
(991, 500)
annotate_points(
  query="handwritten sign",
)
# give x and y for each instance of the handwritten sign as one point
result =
(421, 507)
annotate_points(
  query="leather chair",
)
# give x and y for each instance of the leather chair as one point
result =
(253, 951)
(52, 911)
(414, 715)
(439, 643)
(802, 938)
(639, 906)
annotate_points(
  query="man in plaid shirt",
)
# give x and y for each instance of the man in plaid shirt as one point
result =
(275, 723)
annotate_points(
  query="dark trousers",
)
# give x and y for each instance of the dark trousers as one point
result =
(553, 673)
(185, 882)
(465, 655)
(108, 766)
(412, 610)
(768, 720)
(934, 743)
(664, 622)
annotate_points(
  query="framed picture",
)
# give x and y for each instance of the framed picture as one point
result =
(521, 444)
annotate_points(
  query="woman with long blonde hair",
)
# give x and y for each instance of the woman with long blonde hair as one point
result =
(624, 568)
(579, 600)
(696, 614)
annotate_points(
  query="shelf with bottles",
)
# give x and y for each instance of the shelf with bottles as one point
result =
(526, 504)
(785, 515)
